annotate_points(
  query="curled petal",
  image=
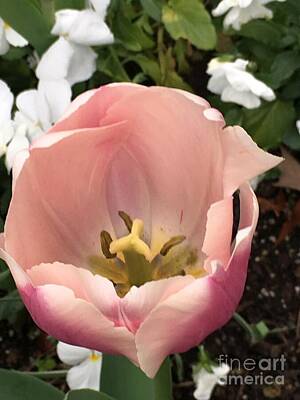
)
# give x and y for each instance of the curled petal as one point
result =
(139, 302)
(88, 109)
(240, 149)
(201, 307)
(70, 319)
(219, 230)
(58, 312)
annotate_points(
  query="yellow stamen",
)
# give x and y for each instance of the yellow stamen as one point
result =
(132, 242)
(95, 357)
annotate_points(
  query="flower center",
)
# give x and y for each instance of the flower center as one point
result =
(128, 261)
(94, 357)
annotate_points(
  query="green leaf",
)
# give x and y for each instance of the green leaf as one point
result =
(73, 4)
(176, 81)
(6, 280)
(292, 139)
(153, 8)
(149, 66)
(283, 67)
(188, 19)
(86, 394)
(27, 20)
(112, 67)
(122, 380)
(268, 124)
(266, 32)
(130, 34)
(19, 386)
(10, 306)
(262, 329)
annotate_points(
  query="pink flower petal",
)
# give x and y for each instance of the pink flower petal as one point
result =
(218, 234)
(89, 108)
(58, 312)
(201, 307)
(167, 127)
(93, 288)
(59, 204)
(243, 158)
(139, 302)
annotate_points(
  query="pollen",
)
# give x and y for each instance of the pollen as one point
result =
(132, 242)
(95, 357)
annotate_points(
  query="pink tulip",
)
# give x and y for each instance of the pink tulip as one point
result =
(163, 157)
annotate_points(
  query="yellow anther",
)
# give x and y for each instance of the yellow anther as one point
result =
(132, 241)
(95, 357)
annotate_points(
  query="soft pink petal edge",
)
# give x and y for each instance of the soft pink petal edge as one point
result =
(201, 307)
(57, 311)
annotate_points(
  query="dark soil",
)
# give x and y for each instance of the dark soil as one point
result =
(272, 294)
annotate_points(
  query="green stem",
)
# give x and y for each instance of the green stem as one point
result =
(121, 380)
(163, 382)
(247, 327)
(13, 299)
(47, 374)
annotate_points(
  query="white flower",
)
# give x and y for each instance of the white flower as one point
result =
(86, 366)
(298, 125)
(206, 381)
(9, 36)
(71, 57)
(39, 109)
(242, 11)
(6, 128)
(236, 85)
(82, 27)
(66, 60)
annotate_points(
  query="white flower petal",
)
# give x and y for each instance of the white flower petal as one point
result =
(57, 95)
(18, 163)
(245, 3)
(14, 38)
(72, 355)
(240, 64)
(242, 81)
(55, 62)
(206, 381)
(27, 104)
(90, 29)
(82, 64)
(4, 45)
(233, 19)
(101, 7)
(217, 84)
(223, 7)
(33, 129)
(7, 132)
(64, 20)
(246, 99)
(6, 102)
(85, 375)
(18, 144)
(298, 125)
